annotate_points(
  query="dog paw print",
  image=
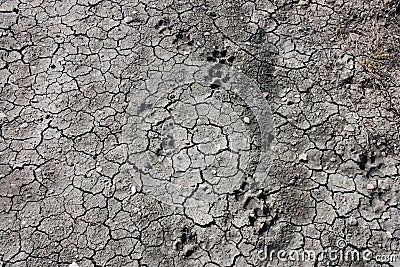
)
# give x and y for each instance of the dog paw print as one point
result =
(183, 41)
(221, 56)
(163, 26)
(178, 37)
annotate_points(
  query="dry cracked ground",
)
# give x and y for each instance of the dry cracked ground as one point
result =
(199, 133)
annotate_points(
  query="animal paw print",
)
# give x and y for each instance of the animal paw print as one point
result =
(221, 56)
(183, 42)
(163, 25)
(183, 38)
(180, 38)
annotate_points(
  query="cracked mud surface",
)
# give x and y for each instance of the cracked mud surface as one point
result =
(199, 133)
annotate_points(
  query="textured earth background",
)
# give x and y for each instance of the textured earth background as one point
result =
(85, 175)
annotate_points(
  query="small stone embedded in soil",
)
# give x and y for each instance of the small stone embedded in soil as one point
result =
(303, 157)
(349, 128)
(370, 186)
(128, 19)
(354, 36)
(389, 235)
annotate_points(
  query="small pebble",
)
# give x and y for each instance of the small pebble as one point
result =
(370, 186)
(349, 128)
(24, 125)
(246, 120)
(128, 19)
(354, 36)
(303, 157)
(389, 234)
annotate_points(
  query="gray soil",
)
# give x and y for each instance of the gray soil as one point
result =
(199, 133)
